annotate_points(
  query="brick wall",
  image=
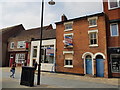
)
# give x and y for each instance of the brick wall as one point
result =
(81, 44)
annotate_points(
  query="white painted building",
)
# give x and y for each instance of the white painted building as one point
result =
(48, 54)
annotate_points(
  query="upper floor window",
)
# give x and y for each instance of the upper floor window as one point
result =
(93, 38)
(68, 26)
(12, 45)
(92, 21)
(114, 4)
(68, 40)
(21, 44)
(114, 29)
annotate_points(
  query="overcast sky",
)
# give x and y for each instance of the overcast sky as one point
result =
(28, 13)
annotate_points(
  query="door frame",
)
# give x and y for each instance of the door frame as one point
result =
(84, 58)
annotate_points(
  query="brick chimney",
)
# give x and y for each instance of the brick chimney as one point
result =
(64, 18)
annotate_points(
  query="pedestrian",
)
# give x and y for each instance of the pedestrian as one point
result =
(35, 65)
(13, 69)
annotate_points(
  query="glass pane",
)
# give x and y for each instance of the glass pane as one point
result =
(113, 3)
(115, 63)
(66, 62)
(35, 53)
(70, 62)
(114, 29)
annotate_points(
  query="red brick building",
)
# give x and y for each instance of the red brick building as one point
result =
(112, 11)
(19, 45)
(5, 34)
(81, 45)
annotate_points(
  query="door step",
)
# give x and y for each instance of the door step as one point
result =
(89, 75)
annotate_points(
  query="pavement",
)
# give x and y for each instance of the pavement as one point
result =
(16, 81)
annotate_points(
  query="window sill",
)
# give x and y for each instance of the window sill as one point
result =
(68, 30)
(95, 45)
(68, 66)
(114, 8)
(115, 36)
(92, 26)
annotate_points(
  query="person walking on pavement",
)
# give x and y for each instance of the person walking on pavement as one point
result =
(13, 69)
(35, 65)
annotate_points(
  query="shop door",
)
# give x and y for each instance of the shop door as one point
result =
(88, 66)
(99, 67)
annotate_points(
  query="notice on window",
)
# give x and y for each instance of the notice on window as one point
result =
(50, 51)
(115, 65)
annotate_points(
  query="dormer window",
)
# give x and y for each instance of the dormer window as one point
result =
(92, 21)
(68, 26)
(114, 4)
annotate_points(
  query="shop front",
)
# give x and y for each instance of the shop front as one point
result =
(114, 56)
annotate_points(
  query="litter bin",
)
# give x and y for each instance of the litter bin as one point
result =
(27, 76)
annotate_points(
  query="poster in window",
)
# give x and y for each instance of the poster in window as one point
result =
(115, 65)
(68, 41)
(50, 51)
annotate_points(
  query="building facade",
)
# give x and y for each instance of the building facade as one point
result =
(48, 54)
(5, 34)
(81, 45)
(19, 46)
(112, 11)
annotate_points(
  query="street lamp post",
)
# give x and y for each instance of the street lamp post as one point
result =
(40, 55)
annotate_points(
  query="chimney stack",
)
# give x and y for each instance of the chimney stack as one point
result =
(64, 18)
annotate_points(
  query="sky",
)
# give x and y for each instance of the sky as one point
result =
(28, 13)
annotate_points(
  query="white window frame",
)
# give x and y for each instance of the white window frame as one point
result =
(114, 7)
(91, 18)
(12, 47)
(20, 47)
(93, 31)
(111, 30)
(68, 52)
(68, 34)
(66, 23)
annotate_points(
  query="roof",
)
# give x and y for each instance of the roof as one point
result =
(35, 33)
(97, 14)
(4, 30)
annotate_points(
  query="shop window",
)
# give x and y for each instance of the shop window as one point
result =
(48, 54)
(92, 22)
(34, 51)
(20, 58)
(21, 44)
(114, 4)
(68, 60)
(115, 63)
(68, 40)
(12, 45)
(114, 29)
(93, 38)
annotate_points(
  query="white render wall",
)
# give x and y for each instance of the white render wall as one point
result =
(44, 66)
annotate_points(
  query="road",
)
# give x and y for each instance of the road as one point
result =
(54, 80)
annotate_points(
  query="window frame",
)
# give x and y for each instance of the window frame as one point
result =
(68, 35)
(67, 23)
(11, 45)
(93, 31)
(118, 3)
(91, 18)
(111, 62)
(111, 30)
(35, 48)
(23, 46)
(68, 52)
